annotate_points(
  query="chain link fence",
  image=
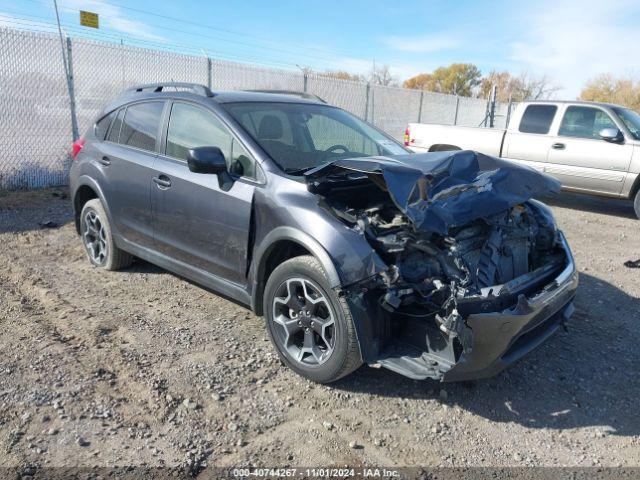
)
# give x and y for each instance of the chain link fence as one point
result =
(36, 112)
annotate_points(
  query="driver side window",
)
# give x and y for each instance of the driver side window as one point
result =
(191, 127)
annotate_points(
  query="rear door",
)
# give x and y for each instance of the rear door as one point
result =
(581, 159)
(127, 157)
(530, 143)
(196, 220)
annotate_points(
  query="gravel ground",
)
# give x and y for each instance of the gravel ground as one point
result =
(143, 368)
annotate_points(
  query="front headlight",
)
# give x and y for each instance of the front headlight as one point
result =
(544, 215)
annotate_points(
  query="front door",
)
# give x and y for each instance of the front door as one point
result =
(197, 220)
(581, 159)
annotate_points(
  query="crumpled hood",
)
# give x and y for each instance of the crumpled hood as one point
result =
(441, 190)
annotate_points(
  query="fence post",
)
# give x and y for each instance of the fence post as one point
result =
(486, 111)
(373, 104)
(420, 109)
(455, 115)
(305, 80)
(492, 108)
(124, 83)
(506, 125)
(366, 103)
(72, 96)
(209, 72)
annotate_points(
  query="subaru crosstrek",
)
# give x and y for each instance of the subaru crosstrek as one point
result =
(436, 265)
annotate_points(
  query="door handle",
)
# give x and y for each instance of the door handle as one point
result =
(162, 181)
(106, 161)
(558, 146)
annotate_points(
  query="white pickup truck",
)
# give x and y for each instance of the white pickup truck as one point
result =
(590, 147)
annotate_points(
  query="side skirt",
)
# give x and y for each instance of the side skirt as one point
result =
(201, 277)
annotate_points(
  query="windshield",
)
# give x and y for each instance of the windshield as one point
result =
(631, 120)
(299, 137)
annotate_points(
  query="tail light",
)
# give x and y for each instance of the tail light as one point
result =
(407, 136)
(76, 147)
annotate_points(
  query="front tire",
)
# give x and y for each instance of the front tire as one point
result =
(309, 325)
(636, 204)
(98, 240)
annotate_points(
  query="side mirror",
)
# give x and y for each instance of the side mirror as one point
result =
(206, 160)
(612, 135)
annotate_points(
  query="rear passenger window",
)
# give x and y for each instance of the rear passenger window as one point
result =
(103, 125)
(537, 118)
(114, 132)
(140, 126)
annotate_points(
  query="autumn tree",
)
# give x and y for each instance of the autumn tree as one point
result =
(422, 81)
(607, 88)
(382, 76)
(342, 75)
(458, 79)
(517, 88)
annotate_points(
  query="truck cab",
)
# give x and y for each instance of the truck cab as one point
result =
(590, 147)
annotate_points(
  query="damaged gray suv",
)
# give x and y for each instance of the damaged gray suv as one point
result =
(436, 265)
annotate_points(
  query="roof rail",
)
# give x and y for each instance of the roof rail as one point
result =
(161, 87)
(308, 96)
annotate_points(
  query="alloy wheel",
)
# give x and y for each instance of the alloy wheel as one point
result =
(95, 237)
(304, 321)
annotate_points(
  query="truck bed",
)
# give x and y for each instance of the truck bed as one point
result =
(424, 137)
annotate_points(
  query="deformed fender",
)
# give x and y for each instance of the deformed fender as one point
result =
(267, 245)
(86, 181)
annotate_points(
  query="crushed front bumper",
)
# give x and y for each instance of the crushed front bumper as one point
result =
(501, 338)
(499, 328)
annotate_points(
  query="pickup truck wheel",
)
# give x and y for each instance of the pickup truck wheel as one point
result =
(310, 326)
(97, 239)
(636, 204)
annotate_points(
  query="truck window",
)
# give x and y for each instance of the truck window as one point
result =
(631, 119)
(537, 118)
(584, 122)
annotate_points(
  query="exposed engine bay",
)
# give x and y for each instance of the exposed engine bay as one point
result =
(435, 278)
(431, 271)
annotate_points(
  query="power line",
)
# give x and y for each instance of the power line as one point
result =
(289, 64)
(278, 47)
(39, 25)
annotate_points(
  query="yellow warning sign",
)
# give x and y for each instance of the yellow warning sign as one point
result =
(89, 19)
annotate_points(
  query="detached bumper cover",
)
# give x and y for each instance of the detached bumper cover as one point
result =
(501, 338)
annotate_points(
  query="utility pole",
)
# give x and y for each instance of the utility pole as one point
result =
(67, 73)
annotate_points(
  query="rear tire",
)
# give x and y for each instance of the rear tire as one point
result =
(308, 323)
(636, 204)
(95, 231)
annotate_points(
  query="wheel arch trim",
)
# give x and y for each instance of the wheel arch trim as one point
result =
(87, 181)
(266, 247)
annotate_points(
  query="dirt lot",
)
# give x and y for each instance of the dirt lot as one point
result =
(143, 368)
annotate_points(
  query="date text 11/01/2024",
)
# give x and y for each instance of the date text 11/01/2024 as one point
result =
(369, 472)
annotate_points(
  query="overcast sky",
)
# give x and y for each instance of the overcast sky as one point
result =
(567, 40)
